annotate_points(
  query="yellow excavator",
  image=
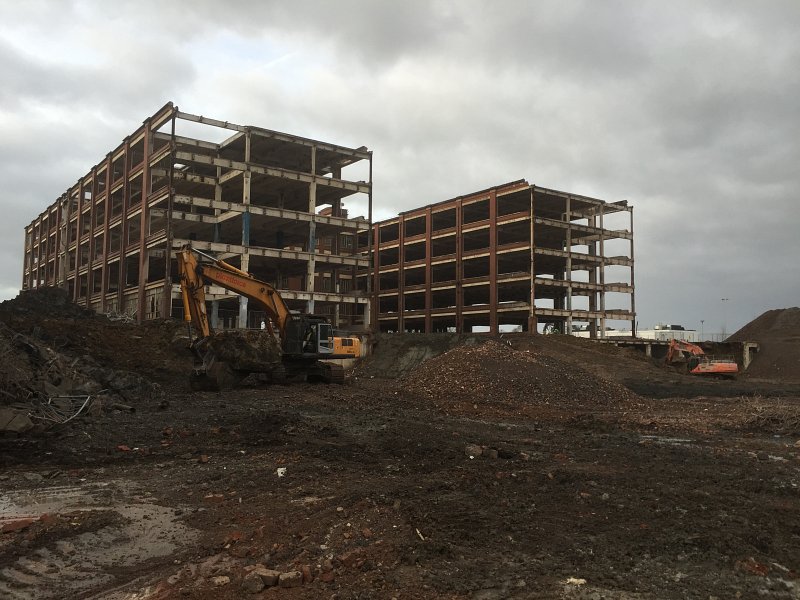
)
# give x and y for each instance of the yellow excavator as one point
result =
(290, 346)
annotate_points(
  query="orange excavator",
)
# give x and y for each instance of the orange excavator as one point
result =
(697, 362)
(291, 347)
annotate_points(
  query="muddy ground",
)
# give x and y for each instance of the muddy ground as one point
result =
(370, 490)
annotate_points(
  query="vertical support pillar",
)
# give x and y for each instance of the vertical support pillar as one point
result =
(92, 237)
(401, 260)
(373, 279)
(167, 298)
(215, 314)
(493, 291)
(78, 231)
(311, 265)
(428, 269)
(242, 299)
(336, 211)
(61, 243)
(568, 307)
(459, 267)
(593, 280)
(246, 181)
(533, 325)
(215, 303)
(105, 274)
(602, 276)
(144, 262)
(123, 234)
(370, 315)
(633, 287)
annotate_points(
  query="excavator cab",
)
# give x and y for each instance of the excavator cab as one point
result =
(308, 334)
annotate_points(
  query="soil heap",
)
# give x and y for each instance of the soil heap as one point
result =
(493, 373)
(52, 347)
(778, 333)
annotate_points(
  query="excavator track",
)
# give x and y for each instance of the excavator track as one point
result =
(334, 374)
(278, 375)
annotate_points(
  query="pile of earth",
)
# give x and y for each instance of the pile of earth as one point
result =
(493, 373)
(53, 349)
(395, 354)
(45, 302)
(155, 349)
(246, 350)
(778, 334)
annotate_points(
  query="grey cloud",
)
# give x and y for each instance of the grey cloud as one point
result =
(687, 110)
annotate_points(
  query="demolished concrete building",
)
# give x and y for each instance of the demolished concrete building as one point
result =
(515, 257)
(270, 203)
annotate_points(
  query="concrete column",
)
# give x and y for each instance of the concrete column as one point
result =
(428, 250)
(633, 288)
(532, 320)
(106, 241)
(144, 261)
(401, 259)
(311, 266)
(373, 278)
(602, 277)
(215, 314)
(493, 292)
(593, 279)
(568, 274)
(215, 303)
(242, 299)
(459, 267)
(246, 180)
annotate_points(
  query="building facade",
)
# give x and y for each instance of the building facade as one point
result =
(269, 203)
(516, 257)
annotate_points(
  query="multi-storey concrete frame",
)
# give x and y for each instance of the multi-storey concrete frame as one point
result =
(261, 199)
(515, 254)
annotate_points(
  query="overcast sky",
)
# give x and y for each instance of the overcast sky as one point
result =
(690, 110)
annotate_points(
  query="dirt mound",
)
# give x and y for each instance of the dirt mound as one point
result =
(778, 333)
(494, 373)
(395, 354)
(156, 350)
(52, 348)
(246, 350)
(47, 301)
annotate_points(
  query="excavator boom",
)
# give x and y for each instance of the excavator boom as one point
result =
(698, 362)
(195, 275)
(305, 339)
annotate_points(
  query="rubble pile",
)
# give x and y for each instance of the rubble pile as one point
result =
(493, 372)
(778, 334)
(246, 350)
(52, 348)
(45, 302)
(157, 349)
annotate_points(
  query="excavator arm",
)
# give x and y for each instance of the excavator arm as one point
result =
(698, 362)
(677, 347)
(195, 275)
(306, 341)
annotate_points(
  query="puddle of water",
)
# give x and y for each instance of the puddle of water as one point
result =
(60, 498)
(86, 563)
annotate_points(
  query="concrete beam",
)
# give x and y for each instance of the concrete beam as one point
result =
(187, 141)
(350, 186)
(216, 292)
(271, 252)
(358, 153)
(580, 257)
(267, 211)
